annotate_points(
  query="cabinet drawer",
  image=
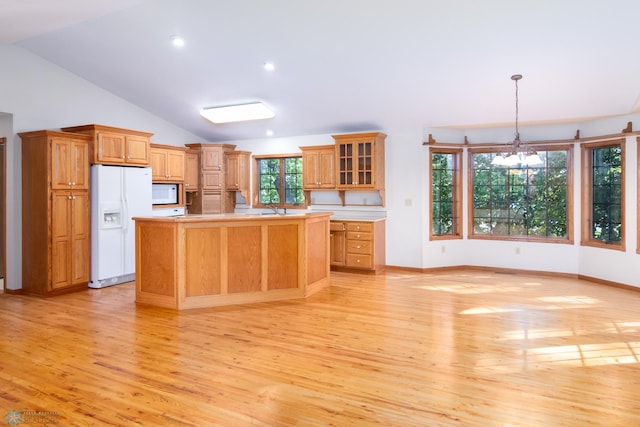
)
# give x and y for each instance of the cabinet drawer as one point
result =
(357, 235)
(360, 226)
(359, 261)
(336, 226)
(359, 247)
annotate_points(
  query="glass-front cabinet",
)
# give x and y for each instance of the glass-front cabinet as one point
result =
(360, 159)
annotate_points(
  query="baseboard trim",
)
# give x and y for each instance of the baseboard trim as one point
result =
(514, 271)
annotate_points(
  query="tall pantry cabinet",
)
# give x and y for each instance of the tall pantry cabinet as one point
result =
(56, 217)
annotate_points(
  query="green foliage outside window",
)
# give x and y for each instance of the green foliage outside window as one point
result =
(606, 224)
(442, 194)
(280, 181)
(521, 201)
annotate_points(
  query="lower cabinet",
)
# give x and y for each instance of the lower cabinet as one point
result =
(358, 246)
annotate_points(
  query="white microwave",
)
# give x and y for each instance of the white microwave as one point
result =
(164, 194)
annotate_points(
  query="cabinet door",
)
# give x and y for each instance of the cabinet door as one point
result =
(158, 159)
(61, 241)
(212, 180)
(70, 239)
(191, 172)
(60, 163)
(110, 147)
(79, 165)
(326, 173)
(175, 165)
(80, 237)
(233, 172)
(137, 150)
(212, 158)
(346, 172)
(310, 166)
(337, 249)
(364, 163)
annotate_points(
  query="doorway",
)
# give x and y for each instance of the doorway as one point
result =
(3, 203)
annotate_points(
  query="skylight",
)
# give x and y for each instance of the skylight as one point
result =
(237, 113)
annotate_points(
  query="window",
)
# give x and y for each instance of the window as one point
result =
(603, 194)
(522, 202)
(446, 193)
(279, 181)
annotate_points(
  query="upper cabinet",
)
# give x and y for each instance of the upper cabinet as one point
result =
(167, 163)
(237, 172)
(115, 146)
(360, 161)
(205, 174)
(318, 167)
(191, 170)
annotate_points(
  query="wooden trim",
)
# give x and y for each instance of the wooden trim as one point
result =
(576, 140)
(457, 192)
(276, 156)
(569, 239)
(586, 196)
(609, 283)
(167, 147)
(103, 128)
(3, 210)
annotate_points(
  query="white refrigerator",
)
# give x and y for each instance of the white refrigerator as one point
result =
(118, 194)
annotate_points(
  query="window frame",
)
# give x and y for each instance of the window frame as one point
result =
(587, 197)
(256, 181)
(457, 193)
(567, 239)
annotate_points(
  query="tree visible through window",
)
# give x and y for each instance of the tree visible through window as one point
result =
(446, 193)
(521, 201)
(280, 181)
(604, 205)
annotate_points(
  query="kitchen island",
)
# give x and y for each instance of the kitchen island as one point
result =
(200, 261)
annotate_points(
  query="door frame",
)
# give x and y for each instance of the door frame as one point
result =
(3, 210)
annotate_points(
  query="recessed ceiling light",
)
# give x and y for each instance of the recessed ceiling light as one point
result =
(269, 66)
(177, 41)
(237, 113)
(269, 132)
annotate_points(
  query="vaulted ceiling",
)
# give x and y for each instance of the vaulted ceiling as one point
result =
(345, 65)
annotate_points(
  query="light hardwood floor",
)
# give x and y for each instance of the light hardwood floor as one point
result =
(463, 348)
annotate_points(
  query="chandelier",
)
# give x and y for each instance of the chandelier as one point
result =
(517, 153)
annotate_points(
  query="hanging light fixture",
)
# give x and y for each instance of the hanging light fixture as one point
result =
(518, 153)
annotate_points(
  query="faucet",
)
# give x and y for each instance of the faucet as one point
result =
(273, 208)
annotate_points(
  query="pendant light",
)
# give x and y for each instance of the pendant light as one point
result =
(517, 153)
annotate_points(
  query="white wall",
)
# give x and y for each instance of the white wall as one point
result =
(40, 95)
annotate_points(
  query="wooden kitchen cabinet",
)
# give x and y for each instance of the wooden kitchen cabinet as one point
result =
(318, 167)
(237, 172)
(337, 243)
(191, 170)
(115, 146)
(360, 161)
(363, 246)
(167, 163)
(56, 245)
(209, 195)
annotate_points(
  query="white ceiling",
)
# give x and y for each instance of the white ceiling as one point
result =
(345, 65)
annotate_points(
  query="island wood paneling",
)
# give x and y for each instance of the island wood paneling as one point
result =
(203, 278)
(245, 259)
(227, 259)
(282, 248)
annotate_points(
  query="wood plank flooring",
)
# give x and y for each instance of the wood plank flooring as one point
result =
(463, 348)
